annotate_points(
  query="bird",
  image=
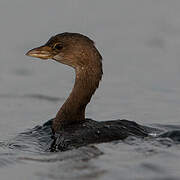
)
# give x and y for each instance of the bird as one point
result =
(79, 52)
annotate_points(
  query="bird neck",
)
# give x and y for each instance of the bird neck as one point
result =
(86, 82)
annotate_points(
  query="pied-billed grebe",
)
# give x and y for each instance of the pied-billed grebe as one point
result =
(79, 52)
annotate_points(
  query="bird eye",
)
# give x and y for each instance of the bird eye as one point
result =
(58, 47)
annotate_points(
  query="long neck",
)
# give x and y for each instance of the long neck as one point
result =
(86, 82)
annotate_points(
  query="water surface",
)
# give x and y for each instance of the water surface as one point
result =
(139, 41)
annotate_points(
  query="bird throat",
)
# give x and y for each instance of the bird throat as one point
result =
(73, 110)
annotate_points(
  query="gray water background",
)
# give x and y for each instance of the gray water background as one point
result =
(140, 44)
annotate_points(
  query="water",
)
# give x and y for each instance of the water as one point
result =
(139, 41)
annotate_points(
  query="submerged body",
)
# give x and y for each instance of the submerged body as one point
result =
(79, 52)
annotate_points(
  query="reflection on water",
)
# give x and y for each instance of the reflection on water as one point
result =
(32, 96)
(33, 146)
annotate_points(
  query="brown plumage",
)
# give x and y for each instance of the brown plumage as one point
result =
(79, 52)
(71, 129)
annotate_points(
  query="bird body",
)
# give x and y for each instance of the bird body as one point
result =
(70, 126)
